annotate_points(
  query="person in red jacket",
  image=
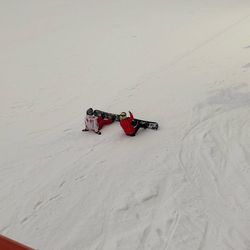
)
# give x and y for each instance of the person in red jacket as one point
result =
(95, 123)
(129, 124)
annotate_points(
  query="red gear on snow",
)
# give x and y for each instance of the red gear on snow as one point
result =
(101, 122)
(127, 126)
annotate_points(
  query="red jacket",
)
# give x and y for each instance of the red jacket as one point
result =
(127, 126)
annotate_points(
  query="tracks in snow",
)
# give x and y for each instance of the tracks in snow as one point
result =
(214, 155)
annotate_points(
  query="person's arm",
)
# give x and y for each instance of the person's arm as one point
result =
(131, 115)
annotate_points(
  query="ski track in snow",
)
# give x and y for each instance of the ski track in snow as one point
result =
(218, 134)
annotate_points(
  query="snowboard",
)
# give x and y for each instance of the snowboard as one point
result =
(106, 115)
(147, 124)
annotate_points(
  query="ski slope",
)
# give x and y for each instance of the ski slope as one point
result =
(184, 64)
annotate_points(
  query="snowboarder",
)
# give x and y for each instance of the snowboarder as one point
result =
(131, 125)
(95, 123)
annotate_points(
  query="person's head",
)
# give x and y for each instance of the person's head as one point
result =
(123, 115)
(90, 111)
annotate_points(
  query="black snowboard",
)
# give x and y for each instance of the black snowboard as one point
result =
(106, 115)
(147, 124)
(116, 117)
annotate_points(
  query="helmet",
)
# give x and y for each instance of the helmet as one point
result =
(123, 115)
(90, 111)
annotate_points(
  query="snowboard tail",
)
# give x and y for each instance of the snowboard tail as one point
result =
(148, 124)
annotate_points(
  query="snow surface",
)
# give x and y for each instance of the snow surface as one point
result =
(185, 64)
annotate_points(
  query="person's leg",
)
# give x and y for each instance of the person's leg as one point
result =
(136, 126)
(104, 122)
(143, 124)
(100, 124)
(107, 121)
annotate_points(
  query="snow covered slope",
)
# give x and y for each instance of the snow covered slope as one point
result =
(184, 64)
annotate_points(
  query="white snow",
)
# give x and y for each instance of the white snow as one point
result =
(182, 63)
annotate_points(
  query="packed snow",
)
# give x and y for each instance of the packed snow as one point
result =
(184, 64)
